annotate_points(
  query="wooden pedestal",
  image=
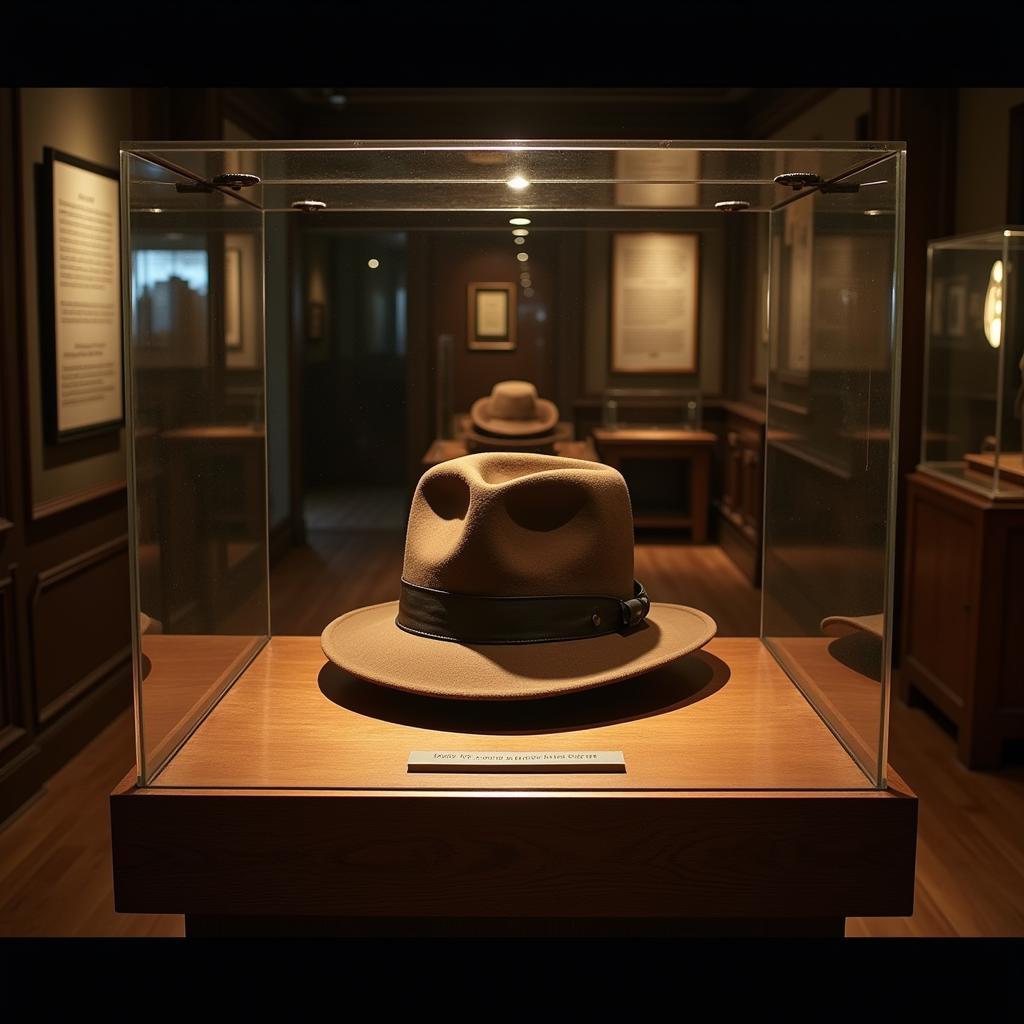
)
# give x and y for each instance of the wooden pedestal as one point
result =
(290, 810)
(963, 620)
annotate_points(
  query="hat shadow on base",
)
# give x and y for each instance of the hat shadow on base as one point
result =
(684, 681)
(860, 652)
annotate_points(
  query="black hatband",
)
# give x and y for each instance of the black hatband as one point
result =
(475, 619)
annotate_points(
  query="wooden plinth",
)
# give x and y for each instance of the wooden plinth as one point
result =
(737, 804)
(693, 447)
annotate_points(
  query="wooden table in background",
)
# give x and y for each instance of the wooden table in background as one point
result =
(694, 447)
(290, 810)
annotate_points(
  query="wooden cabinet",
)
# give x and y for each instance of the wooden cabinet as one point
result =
(963, 613)
(742, 499)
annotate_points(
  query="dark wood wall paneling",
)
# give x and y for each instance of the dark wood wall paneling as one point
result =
(65, 666)
(64, 619)
(457, 260)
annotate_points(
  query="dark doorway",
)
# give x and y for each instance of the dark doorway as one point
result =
(353, 381)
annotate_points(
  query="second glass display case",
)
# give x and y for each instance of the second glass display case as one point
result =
(974, 385)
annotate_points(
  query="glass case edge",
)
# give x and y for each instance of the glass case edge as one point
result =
(896, 369)
(822, 717)
(369, 145)
(266, 420)
(141, 775)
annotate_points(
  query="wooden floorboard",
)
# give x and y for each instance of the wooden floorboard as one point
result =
(55, 876)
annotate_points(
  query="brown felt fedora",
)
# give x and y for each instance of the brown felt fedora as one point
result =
(512, 409)
(517, 583)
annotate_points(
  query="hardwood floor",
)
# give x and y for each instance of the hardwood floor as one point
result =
(970, 847)
(55, 876)
(55, 855)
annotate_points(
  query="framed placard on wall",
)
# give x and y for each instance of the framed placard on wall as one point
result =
(491, 316)
(80, 297)
(655, 290)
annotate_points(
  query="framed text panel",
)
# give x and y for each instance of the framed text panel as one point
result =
(80, 297)
(655, 295)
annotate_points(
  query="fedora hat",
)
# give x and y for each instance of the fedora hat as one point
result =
(513, 410)
(517, 583)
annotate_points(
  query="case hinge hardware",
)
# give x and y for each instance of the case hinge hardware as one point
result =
(230, 180)
(235, 180)
(797, 180)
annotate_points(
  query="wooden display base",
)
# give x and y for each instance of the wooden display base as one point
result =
(292, 799)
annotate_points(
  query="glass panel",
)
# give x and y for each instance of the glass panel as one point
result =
(830, 443)
(974, 399)
(194, 358)
(473, 177)
(367, 304)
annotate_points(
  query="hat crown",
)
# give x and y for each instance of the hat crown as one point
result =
(513, 400)
(521, 525)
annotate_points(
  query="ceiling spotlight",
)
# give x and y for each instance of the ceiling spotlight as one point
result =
(518, 183)
(519, 241)
(520, 232)
(522, 221)
(373, 264)
(522, 256)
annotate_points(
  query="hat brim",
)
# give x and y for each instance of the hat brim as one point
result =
(844, 625)
(544, 423)
(367, 643)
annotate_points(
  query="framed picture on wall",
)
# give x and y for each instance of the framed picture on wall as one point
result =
(491, 316)
(655, 289)
(80, 297)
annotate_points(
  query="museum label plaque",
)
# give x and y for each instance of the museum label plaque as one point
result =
(506, 761)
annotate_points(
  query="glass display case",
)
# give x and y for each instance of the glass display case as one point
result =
(219, 322)
(664, 408)
(973, 430)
